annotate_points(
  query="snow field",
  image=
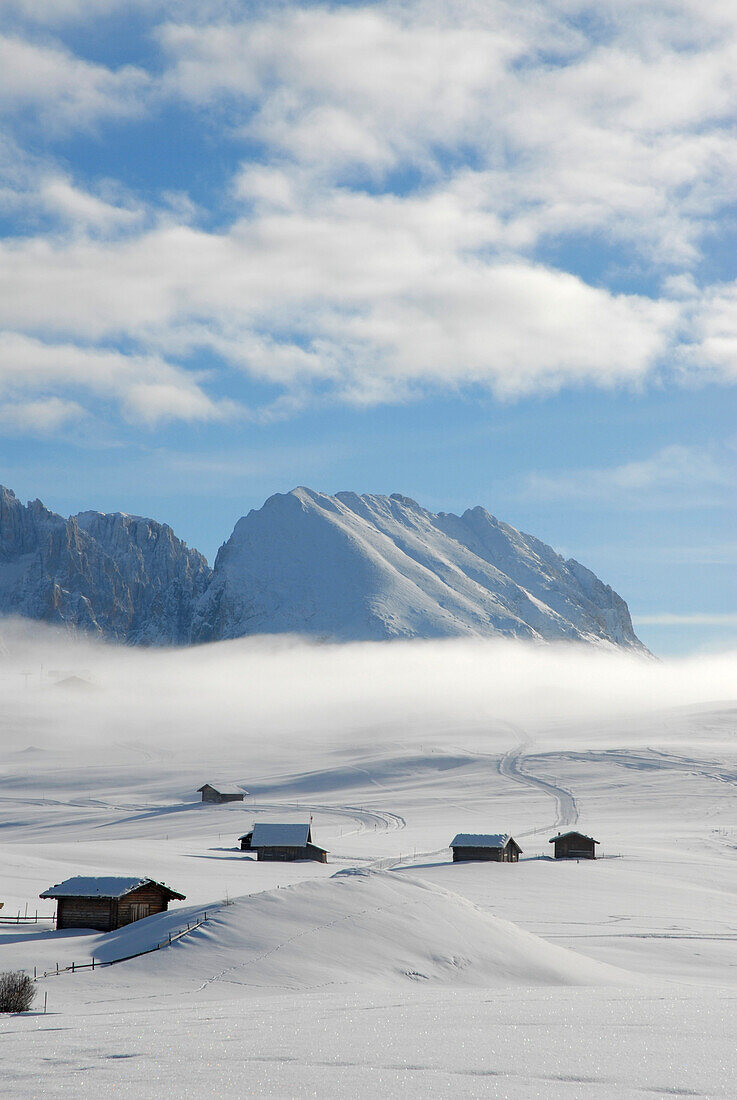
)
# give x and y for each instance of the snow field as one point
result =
(390, 971)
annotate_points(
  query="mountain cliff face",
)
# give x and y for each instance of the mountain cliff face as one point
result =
(345, 568)
(115, 575)
(372, 567)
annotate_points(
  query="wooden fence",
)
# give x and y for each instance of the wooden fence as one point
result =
(25, 918)
(95, 963)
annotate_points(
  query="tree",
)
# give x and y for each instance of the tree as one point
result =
(16, 991)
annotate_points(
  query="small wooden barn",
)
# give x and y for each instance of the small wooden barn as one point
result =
(221, 793)
(282, 843)
(496, 847)
(109, 902)
(574, 846)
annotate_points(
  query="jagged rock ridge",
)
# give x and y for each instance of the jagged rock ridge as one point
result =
(116, 575)
(343, 567)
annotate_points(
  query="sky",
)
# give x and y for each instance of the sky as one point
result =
(475, 252)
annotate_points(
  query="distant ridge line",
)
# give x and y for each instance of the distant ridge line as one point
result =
(347, 567)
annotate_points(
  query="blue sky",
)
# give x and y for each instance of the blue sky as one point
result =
(473, 253)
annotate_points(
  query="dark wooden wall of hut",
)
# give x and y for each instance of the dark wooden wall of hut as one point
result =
(491, 855)
(94, 913)
(284, 854)
(209, 794)
(574, 847)
(105, 914)
(129, 908)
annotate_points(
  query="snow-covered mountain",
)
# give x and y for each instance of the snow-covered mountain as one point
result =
(352, 567)
(116, 575)
(343, 567)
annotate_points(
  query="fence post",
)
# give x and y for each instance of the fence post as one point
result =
(46, 993)
(93, 962)
(72, 968)
(34, 973)
(57, 968)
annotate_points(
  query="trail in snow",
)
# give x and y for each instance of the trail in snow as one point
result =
(511, 765)
(655, 759)
(364, 818)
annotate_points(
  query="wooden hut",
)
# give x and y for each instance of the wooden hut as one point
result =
(283, 843)
(109, 902)
(574, 846)
(221, 794)
(496, 847)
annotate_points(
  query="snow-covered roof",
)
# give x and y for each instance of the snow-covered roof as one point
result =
(573, 832)
(222, 788)
(267, 835)
(105, 886)
(481, 840)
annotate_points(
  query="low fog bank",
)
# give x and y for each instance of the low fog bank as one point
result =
(63, 690)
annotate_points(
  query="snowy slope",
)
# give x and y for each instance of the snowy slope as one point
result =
(354, 567)
(613, 979)
(363, 926)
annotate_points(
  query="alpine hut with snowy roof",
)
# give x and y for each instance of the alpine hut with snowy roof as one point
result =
(108, 902)
(574, 846)
(282, 843)
(495, 847)
(221, 793)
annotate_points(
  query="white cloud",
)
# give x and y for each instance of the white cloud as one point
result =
(674, 473)
(84, 210)
(384, 296)
(714, 334)
(48, 414)
(624, 133)
(64, 90)
(167, 698)
(507, 126)
(147, 389)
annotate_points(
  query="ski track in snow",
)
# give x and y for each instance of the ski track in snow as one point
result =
(511, 765)
(657, 759)
(365, 819)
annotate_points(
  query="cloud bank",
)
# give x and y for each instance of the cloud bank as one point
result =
(409, 199)
(390, 697)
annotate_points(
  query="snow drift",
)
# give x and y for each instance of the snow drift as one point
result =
(357, 927)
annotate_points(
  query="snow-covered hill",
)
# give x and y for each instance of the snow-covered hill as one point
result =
(343, 567)
(351, 567)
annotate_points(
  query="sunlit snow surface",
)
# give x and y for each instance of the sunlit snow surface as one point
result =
(390, 971)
